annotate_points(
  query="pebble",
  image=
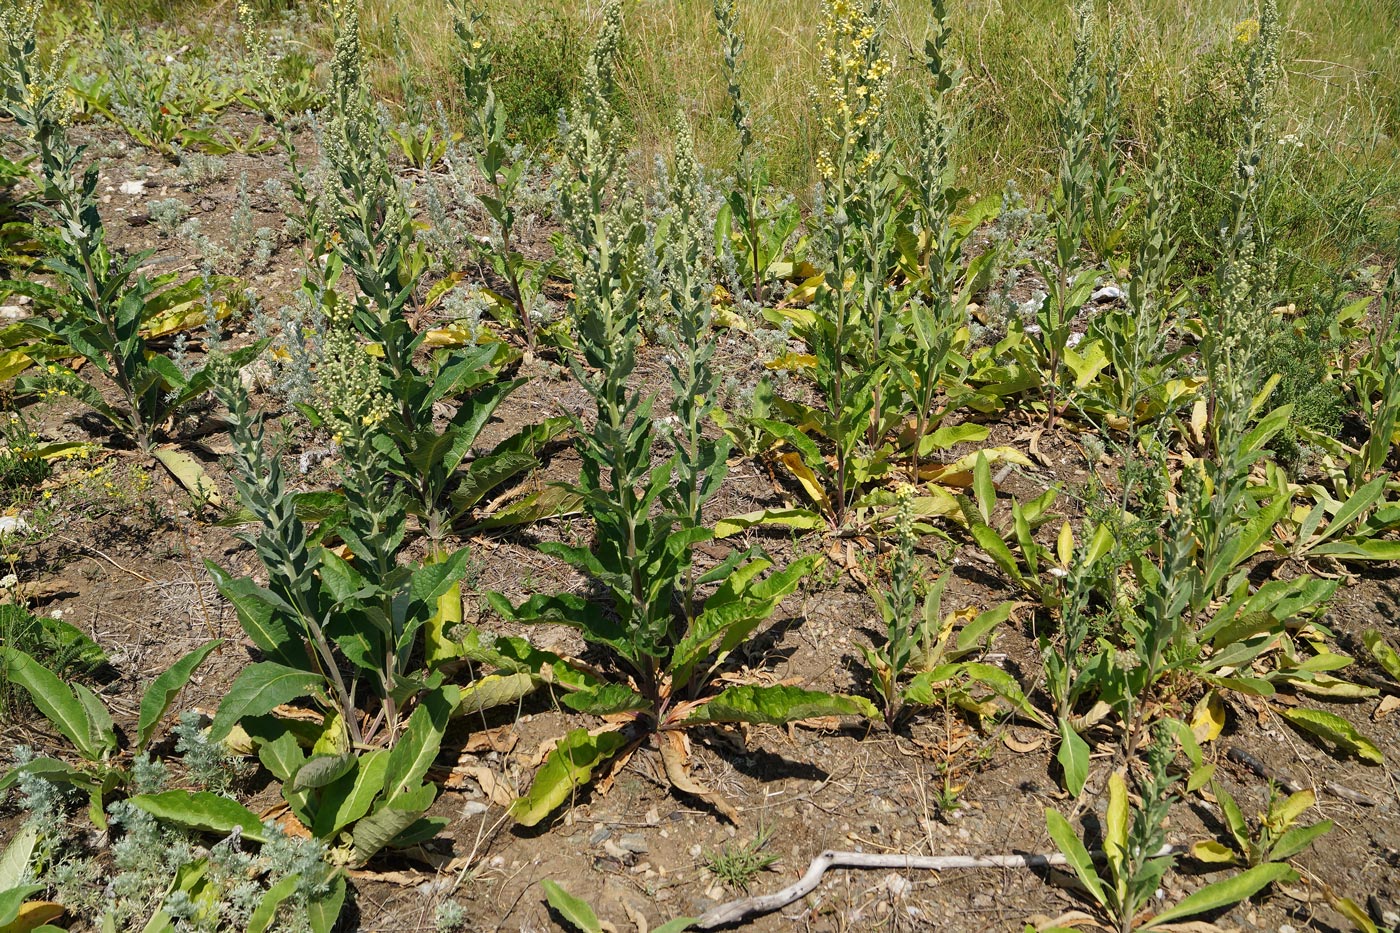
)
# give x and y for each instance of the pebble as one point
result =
(897, 885)
(601, 834)
(634, 843)
(13, 312)
(133, 187)
(10, 524)
(1107, 293)
(473, 808)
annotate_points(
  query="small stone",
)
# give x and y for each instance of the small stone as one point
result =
(1287, 928)
(694, 851)
(10, 524)
(600, 835)
(634, 843)
(13, 312)
(1106, 294)
(653, 817)
(133, 187)
(897, 885)
(981, 901)
(473, 808)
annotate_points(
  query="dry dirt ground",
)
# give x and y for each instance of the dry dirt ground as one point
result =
(126, 565)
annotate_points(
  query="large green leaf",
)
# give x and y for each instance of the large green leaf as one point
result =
(14, 861)
(494, 690)
(1224, 893)
(574, 910)
(266, 911)
(12, 901)
(796, 519)
(260, 688)
(162, 691)
(605, 699)
(351, 796)
(1073, 757)
(322, 912)
(1336, 730)
(416, 748)
(568, 767)
(1383, 653)
(779, 704)
(380, 828)
(59, 705)
(201, 811)
(1075, 854)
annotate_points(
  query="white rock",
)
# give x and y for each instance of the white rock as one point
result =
(897, 885)
(13, 312)
(10, 524)
(1107, 293)
(132, 187)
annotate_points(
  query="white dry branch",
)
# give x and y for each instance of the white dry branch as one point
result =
(744, 907)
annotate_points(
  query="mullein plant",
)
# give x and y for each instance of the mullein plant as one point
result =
(1123, 883)
(501, 169)
(353, 636)
(854, 307)
(749, 217)
(102, 302)
(368, 228)
(667, 641)
(922, 352)
(1068, 281)
(1236, 323)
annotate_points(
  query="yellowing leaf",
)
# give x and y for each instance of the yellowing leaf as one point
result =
(792, 361)
(1212, 852)
(1064, 545)
(1208, 718)
(805, 477)
(1198, 421)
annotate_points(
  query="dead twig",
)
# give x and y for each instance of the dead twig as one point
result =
(744, 907)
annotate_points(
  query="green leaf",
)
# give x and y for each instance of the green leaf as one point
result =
(260, 688)
(1224, 893)
(1073, 757)
(351, 796)
(266, 911)
(1336, 730)
(1383, 653)
(574, 910)
(323, 770)
(12, 901)
(605, 700)
(494, 690)
(14, 862)
(189, 473)
(1075, 854)
(797, 519)
(1298, 839)
(201, 811)
(568, 767)
(380, 828)
(778, 705)
(60, 706)
(678, 925)
(324, 911)
(163, 690)
(417, 747)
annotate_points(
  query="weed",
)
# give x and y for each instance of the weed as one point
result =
(736, 867)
